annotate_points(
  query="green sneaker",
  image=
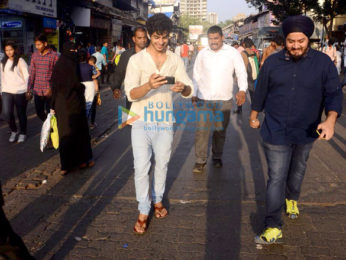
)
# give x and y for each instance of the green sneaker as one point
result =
(269, 236)
(292, 209)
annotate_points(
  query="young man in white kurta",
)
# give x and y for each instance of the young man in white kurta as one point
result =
(146, 86)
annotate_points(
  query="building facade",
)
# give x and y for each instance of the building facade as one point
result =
(194, 8)
(212, 18)
(94, 21)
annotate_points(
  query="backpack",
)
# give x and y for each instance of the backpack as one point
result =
(252, 67)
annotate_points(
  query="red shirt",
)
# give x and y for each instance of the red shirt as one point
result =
(184, 51)
(41, 68)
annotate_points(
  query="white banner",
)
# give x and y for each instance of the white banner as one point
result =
(40, 7)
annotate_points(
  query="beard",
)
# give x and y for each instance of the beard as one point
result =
(298, 57)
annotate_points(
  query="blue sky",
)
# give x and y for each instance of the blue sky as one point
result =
(226, 9)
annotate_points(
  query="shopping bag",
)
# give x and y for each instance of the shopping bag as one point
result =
(54, 135)
(45, 132)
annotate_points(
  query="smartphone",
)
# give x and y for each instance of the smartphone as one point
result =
(170, 80)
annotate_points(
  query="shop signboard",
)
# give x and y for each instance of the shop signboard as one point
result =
(42, 7)
(11, 24)
(49, 23)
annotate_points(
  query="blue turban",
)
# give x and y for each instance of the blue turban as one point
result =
(298, 23)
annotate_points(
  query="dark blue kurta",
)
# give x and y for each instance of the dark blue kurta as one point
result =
(293, 95)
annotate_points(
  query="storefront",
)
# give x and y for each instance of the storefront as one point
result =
(21, 22)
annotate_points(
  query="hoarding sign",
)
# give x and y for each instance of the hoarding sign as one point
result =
(11, 24)
(49, 23)
(43, 7)
(195, 31)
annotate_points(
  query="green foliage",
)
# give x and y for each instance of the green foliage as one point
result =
(284, 8)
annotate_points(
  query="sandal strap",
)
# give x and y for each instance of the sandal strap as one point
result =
(142, 222)
(159, 208)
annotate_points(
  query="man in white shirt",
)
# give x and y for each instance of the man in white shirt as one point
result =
(147, 88)
(213, 82)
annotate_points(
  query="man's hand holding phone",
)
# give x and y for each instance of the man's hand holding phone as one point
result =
(156, 81)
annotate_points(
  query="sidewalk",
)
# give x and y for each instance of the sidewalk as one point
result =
(90, 214)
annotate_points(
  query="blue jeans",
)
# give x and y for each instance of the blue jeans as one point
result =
(186, 61)
(146, 139)
(286, 169)
(88, 109)
(9, 101)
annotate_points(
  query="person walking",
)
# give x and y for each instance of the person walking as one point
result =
(330, 50)
(269, 50)
(105, 69)
(41, 68)
(140, 40)
(14, 81)
(213, 82)
(251, 65)
(68, 103)
(88, 76)
(294, 86)
(184, 53)
(100, 64)
(146, 87)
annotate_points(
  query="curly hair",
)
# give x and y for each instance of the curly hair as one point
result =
(160, 24)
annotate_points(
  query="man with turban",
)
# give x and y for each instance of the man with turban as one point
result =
(294, 86)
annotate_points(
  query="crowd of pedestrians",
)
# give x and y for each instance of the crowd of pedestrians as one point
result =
(292, 84)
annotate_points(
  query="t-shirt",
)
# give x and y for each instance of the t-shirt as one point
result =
(104, 51)
(86, 72)
(184, 51)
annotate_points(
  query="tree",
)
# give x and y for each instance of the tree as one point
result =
(324, 13)
(328, 11)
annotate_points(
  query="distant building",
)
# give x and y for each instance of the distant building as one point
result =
(213, 18)
(239, 17)
(194, 8)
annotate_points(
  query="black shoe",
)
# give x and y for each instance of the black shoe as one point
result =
(217, 163)
(198, 168)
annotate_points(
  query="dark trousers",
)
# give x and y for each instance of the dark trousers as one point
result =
(11, 245)
(42, 106)
(286, 170)
(208, 119)
(9, 101)
(103, 73)
(92, 112)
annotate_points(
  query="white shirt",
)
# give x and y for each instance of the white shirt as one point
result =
(16, 81)
(100, 60)
(213, 73)
(139, 69)
(119, 50)
(177, 50)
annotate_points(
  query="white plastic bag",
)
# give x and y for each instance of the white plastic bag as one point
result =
(45, 132)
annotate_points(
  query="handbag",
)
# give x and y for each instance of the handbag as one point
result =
(54, 135)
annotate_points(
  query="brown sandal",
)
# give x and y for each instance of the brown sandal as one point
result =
(63, 172)
(158, 211)
(142, 224)
(91, 164)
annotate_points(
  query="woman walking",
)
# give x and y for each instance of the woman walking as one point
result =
(68, 103)
(14, 80)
